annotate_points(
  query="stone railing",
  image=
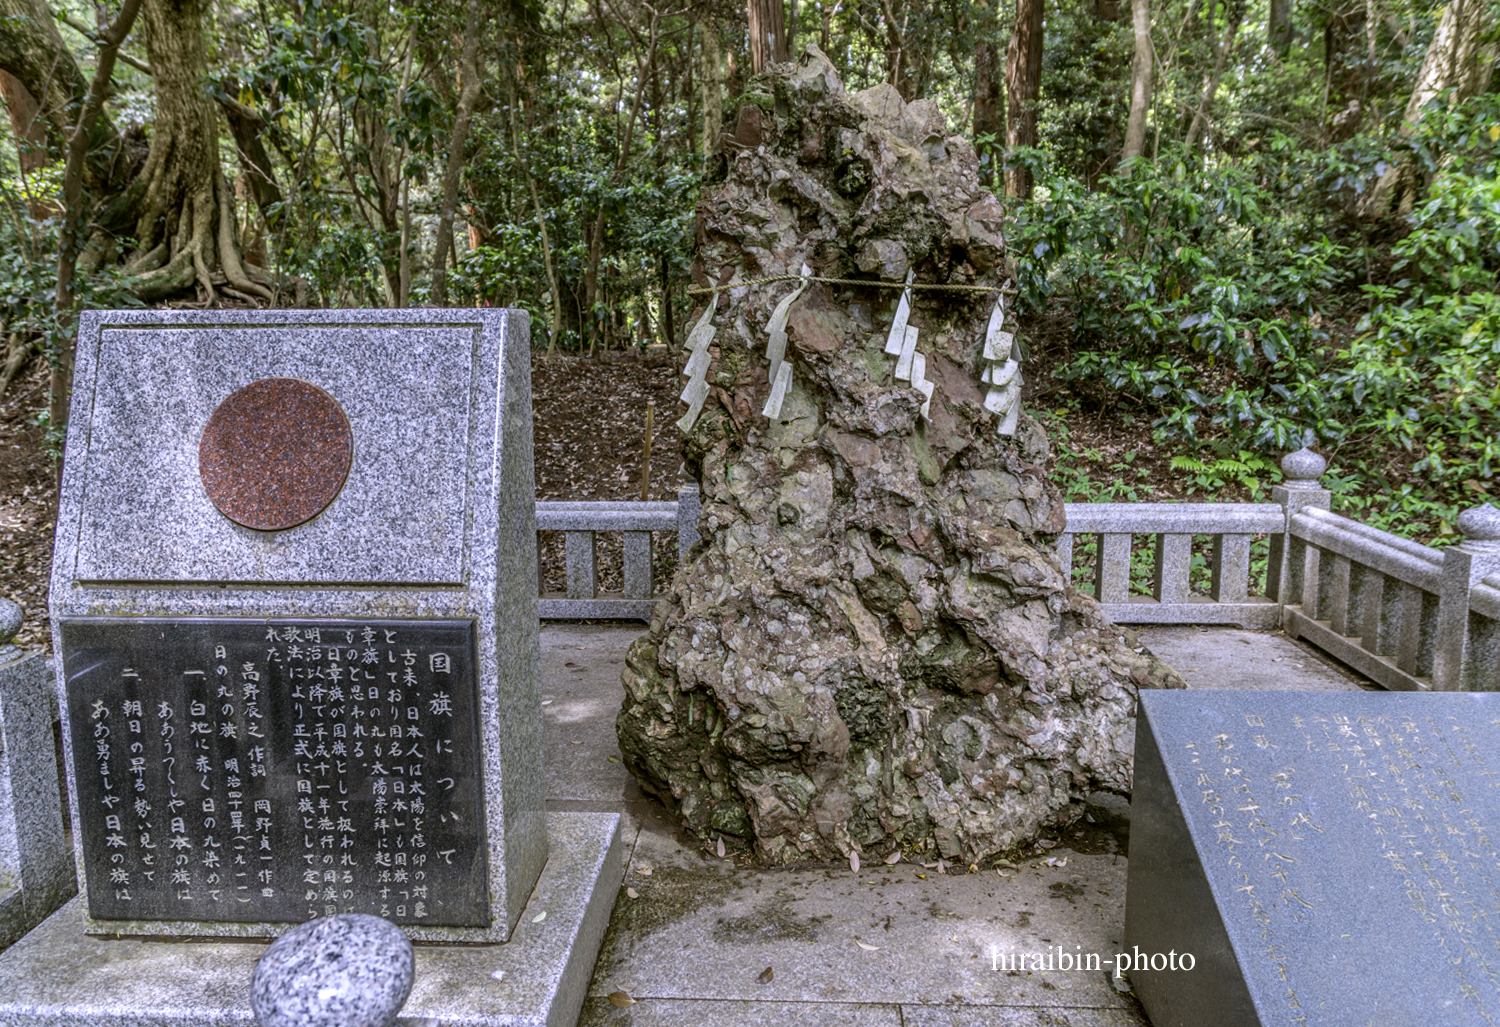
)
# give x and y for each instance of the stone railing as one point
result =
(1406, 615)
(36, 864)
(580, 524)
(1232, 526)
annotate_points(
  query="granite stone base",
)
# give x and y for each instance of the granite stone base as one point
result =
(57, 975)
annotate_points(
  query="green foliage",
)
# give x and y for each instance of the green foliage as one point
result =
(1219, 300)
(1245, 469)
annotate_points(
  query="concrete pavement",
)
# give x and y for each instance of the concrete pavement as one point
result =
(892, 946)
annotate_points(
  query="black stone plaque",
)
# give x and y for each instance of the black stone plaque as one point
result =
(237, 769)
(1324, 858)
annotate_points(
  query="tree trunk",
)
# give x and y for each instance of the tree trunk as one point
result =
(767, 33)
(711, 81)
(643, 68)
(541, 223)
(75, 215)
(467, 97)
(988, 115)
(668, 321)
(1198, 127)
(1279, 27)
(1346, 76)
(897, 60)
(1023, 84)
(1140, 81)
(26, 123)
(246, 126)
(32, 50)
(1459, 62)
(181, 203)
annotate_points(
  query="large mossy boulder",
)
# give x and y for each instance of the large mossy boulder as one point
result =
(873, 646)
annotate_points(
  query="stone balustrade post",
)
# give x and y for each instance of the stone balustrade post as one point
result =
(689, 508)
(36, 867)
(1298, 491)
(1455, 664)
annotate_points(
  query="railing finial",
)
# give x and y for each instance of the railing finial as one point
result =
(1480, 526)
(10, 623)
(1303, 468)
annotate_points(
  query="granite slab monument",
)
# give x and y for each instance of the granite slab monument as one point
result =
(294, 603)
(1315, 858)
(295, 622)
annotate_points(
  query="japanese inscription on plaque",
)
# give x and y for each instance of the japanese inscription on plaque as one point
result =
(253, 770)
(1302, 844)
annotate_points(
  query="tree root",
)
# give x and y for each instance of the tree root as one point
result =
(203, 241)
(17, 350)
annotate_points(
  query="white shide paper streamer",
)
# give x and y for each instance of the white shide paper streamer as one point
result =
(780, 371)
(1001, 371)
(696, 369)
(911, 366)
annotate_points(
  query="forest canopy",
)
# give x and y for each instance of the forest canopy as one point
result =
(1243, 224)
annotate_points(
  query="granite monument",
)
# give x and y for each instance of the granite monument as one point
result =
(1315, 858)
(294, 604)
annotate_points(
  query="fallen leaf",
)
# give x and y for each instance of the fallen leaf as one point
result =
(643, 871)
(539, 917)
(719, 848)
(854, 861)
(632, 893)
(867, 948)
(766, 975)
(613, 759)
(620, 999)
(893, 858)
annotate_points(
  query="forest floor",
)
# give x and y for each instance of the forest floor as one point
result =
(590, 421)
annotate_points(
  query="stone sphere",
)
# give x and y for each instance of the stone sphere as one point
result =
(1303, 468)
(10, 620)
(1478, 524)
(351, 970)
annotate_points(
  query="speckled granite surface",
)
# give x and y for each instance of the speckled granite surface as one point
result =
(437, 518)
(36, 868)
(57, 976)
